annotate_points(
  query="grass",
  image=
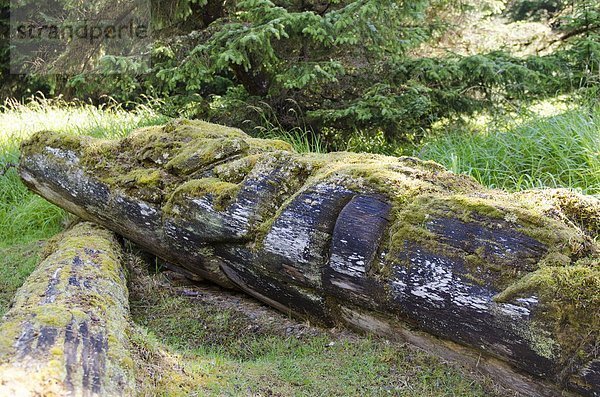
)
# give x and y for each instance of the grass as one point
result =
(16, 263)
(557, 151)
(302, 140)
(229, 346)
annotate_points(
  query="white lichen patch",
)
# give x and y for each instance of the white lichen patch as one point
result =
(68, 156)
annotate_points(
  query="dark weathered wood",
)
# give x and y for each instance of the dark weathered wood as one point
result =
(66, 333)
(507, 283)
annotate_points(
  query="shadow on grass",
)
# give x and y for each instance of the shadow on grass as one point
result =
(199, 339)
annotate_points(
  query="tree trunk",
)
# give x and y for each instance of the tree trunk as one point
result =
(66, 333)
(505, 282)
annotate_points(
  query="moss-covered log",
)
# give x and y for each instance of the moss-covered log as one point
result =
(66, 333)
(507, 282)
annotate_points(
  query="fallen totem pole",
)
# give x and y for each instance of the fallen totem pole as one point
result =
(509, 283)
(66, 333)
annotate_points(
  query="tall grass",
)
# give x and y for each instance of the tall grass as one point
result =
(302, 140)
(557, 151)
(302, 137)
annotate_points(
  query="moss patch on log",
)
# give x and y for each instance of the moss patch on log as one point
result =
(222, 193)
(570, 296)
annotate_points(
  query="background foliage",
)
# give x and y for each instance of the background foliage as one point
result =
(338, 67)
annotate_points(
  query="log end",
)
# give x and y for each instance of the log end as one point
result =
(67, 330)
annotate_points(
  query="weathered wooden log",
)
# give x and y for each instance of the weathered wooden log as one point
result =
(66, 333)
(398, 246)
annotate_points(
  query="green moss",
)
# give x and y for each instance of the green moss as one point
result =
(428, 165)
(566, 205)
(10, 329)
(541, 341)
(53, 315)
(584, 211)
(553, 258)
(97, 152)
(268, 145)
(235, 171)
(140, 177)
(409, 225)
(192, 129)
(57, 351)
(569, 298)
(147, 178)
(569, 221)
(477, 205)
(576, 285)
(203, 152)
(222, 193)
(42, 139)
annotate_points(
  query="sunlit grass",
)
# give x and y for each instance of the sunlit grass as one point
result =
(558, 151)
(18, 120)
